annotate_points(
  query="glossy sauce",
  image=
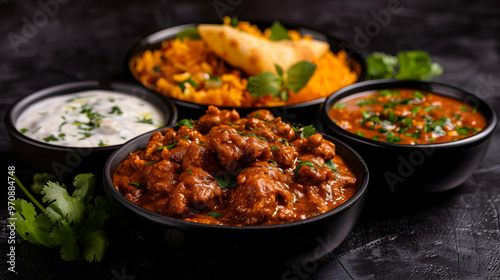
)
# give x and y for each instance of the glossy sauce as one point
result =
(237, 171)
(93, 118)
(407, 116)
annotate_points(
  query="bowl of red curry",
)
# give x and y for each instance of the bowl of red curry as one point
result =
(414, 135)
(254, 188)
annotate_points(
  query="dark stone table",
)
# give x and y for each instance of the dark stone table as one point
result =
(451, 235)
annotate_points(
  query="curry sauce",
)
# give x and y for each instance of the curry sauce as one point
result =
(407, 116)
(227, 170)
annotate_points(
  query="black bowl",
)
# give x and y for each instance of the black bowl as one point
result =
(396, 168)
(296, 242)
(304, 112)
(65, 162)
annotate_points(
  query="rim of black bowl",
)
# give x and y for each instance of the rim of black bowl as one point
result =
(433, 87)
(140, 142)
(165, 105)
(154, 40)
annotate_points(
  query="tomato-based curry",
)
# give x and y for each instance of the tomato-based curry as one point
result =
(227, 170)
(407, 116)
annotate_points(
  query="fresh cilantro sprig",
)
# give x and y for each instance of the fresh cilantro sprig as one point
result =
(225, 184)
(70, 222)
(410, 65)
(268, 83)
(185, 122)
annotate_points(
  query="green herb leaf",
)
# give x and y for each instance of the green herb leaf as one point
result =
(279, 70)
(386, 92)
(417, 65)
(50, 138)
(263, 84)
(185, 122)
(339, 106)
(190, 81)
(117, 110)
(151, 162)
(330, 164)
(234, 22)
(191, 33)
(225, 184)
(307, 131)
(302, 163)
(214, 214)
(380, 66)
(278, 32)
(299, 74)
(137, 185)
(23, 130)
(145, 120)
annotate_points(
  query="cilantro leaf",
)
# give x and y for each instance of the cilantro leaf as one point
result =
(185, 122)
(225, 184)
(68, 208)
(278, 32)
(302, 163)
(39, 180)
(191, 33)
(265, 83)
(417, 65)
(380, 66)
(307, 131)
(330, 164)
(84, 184)
(33, 228)
(214, 214)
(412, 65)
(65, 237)
(299, 74)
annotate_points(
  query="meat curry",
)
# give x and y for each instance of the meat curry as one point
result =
(227, 170)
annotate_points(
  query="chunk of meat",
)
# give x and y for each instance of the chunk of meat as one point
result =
(261, 114)
(197, 190)
(215, 117)
(162, 180)
(201, 156)
(235, 150)
(317, 145)
(257, 198)
(284, 155)
(282, 129)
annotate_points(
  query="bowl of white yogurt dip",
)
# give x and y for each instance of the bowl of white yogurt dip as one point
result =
(73, 128)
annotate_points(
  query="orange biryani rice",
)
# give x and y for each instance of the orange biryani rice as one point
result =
(180, 59)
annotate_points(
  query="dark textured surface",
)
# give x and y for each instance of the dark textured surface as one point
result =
(452, 235)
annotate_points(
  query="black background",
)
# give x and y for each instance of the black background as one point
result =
(452, 235)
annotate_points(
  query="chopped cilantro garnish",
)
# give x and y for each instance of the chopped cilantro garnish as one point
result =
(190, 81)
(117, 110)
(214, 214)
(339, 106)
(302, 163)
(145, 120)
(185, 122)
(151, 162)
(50, 138)
(225, 184)
(23, 130)
(260, 137)
(137, 185)
(272, 162)
(330, 164)
(307, 131)
(367, 101)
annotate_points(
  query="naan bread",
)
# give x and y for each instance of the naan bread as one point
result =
(256, 55)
